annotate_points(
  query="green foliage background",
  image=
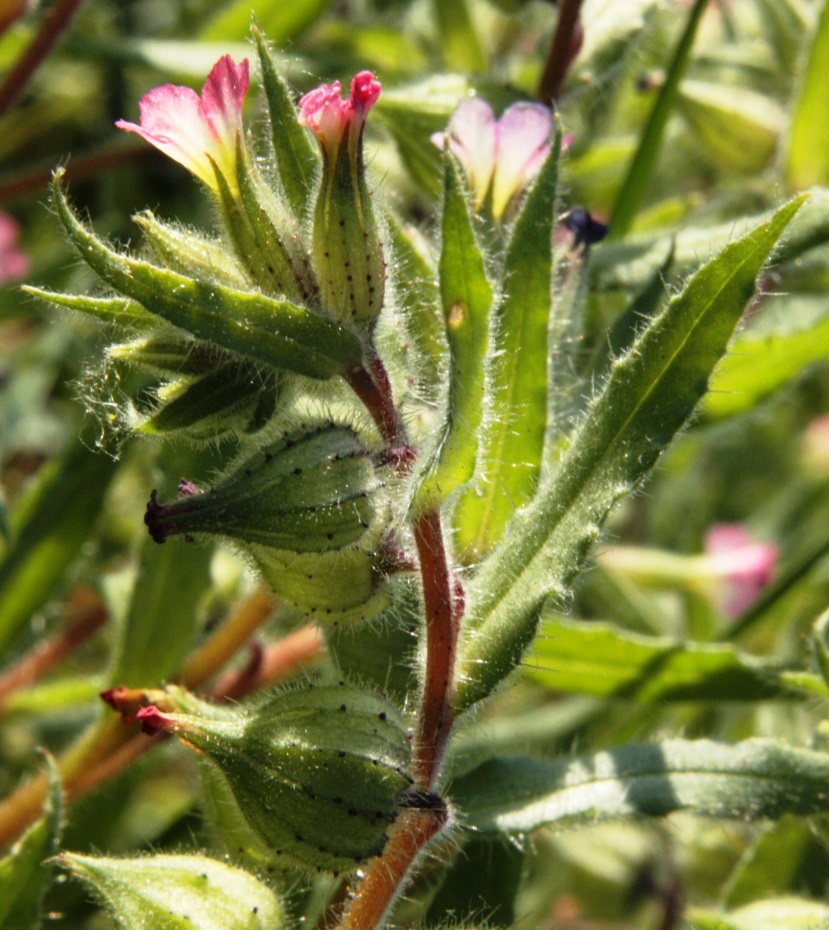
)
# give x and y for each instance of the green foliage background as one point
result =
(681, 145)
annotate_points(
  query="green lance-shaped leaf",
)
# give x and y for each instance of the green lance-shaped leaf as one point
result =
(738, 128)
(631, 264)
(515, 422)
(760, 364)
(233, 396)
(297, 162)
(168, 356)
(644, 161)
(278, 333)
(121, 311)
(808, 156)
(163, 614)
(341, 586)
(755, 779)
(307, 492)
(466, 295)
(283, 22)
(650, 393)
(185, 892)
(599, 660)
(23, 875)
(462, 50)
(314, 776)
(48, 530)
(774, 863)
(779, 913)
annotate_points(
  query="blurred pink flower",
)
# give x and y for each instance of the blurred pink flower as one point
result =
(330, 117)
(503, 155)
(198, 131)
(14, 263)
(742, 566)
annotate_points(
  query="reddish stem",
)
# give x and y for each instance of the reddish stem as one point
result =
(373, 387)
(436, 712)
(292, 654)
(53, 25)
(32, 182)
(386, 876)
(48, 654)
(565, 46)
(101, 755)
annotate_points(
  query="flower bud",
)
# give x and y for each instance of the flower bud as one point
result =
(313, 777)
(309, 492)
(347, 253)
(178, 892)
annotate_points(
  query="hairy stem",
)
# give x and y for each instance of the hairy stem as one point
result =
(436, 712)
(386, 876)
(373, 388)
(564, 48)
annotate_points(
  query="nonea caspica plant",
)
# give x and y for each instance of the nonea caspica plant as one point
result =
(423, 453)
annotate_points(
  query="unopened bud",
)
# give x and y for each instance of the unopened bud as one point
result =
(312, 777)
(347, 251)
(309, 492)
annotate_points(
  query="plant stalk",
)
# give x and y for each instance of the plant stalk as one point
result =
(53, 25)
(564, 48)
(386, 876)
(436, 711)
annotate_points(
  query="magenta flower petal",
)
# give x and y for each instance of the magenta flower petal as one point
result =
(522, 144)
(365, 89)
(223, 96)
(197, 131)
(325, 113)
(329, 117)
(743, 566)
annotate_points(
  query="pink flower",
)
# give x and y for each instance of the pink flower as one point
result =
(329, 117)
(742, 566)
(501, 155)
(14, 264)
(198, 131)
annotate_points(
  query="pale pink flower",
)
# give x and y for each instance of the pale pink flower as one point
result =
(742, 566)
(198, 131)
(14, 263)
(330, 117)
(503, 155)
